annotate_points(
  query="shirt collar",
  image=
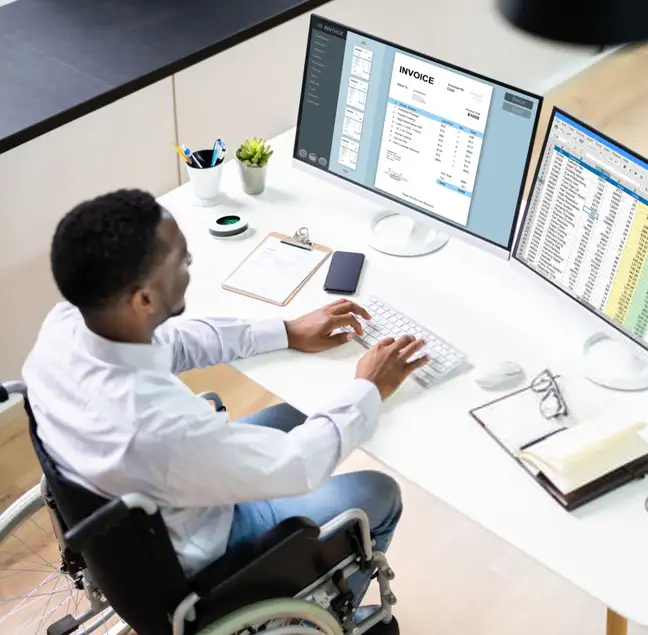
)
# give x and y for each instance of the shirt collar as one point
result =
(155, 356)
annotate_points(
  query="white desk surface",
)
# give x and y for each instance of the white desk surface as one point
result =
(480, 304)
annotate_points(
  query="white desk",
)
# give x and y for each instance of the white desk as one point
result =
(484, 307)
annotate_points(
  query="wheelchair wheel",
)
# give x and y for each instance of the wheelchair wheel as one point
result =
(283, 616)
(35, 589)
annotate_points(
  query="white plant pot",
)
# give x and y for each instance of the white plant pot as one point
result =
(253, 178)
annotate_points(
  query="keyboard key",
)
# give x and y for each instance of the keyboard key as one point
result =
(388, 322)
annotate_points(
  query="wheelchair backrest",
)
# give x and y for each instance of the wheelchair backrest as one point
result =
(133, 563)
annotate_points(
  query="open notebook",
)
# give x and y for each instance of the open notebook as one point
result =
(574, 460)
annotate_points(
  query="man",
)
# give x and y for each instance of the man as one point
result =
(114, 417)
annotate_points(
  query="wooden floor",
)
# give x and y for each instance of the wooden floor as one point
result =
(452, 575)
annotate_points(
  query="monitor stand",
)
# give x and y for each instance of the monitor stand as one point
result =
(615, 364)
(399, 235)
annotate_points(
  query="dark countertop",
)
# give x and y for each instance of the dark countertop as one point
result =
(62, 59)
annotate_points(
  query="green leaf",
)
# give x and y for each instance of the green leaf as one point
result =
(255, 152)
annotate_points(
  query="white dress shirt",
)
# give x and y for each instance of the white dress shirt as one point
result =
(116, 419)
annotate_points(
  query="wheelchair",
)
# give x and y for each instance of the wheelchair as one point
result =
(109, 566)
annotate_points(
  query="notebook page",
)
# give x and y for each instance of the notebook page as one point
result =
(592, 449)
(516, 420)
(274, 270)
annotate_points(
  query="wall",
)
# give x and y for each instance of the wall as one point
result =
(251, 89)
(125, 144)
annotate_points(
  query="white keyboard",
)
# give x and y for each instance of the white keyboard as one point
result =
(388, 322)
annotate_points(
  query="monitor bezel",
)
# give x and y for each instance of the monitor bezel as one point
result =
(603, 322)
(399, 206)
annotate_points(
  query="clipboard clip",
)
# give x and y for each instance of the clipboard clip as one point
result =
(301, 239)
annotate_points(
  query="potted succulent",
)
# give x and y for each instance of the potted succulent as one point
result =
(253, 159)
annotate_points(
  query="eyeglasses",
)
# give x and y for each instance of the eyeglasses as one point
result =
(552, 404)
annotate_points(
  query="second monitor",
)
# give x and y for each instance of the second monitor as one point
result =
(444, 146)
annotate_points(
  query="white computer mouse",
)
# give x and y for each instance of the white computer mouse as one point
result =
(503, 374)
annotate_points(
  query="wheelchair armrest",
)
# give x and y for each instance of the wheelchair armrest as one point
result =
(215, 399)
(106, 517)
(9, 388)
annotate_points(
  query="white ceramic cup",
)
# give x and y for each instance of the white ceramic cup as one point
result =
(206, 181)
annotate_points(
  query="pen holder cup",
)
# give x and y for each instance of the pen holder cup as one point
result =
(206, 181)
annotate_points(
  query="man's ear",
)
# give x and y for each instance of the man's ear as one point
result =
(142, 301)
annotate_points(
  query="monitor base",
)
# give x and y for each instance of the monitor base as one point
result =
(398, 235)
(614, 364)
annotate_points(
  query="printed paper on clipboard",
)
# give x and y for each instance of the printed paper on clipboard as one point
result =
(275, 270)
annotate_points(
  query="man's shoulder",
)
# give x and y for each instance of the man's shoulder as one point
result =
(54, 334)
(62, 313)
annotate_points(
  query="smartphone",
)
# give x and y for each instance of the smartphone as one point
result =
(344, 272)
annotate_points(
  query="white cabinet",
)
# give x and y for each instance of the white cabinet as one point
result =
(125, 144)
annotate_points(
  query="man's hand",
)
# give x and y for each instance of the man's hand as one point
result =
(313, 332)
(387, 364)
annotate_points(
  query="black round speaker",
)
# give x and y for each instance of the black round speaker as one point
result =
(592, 23)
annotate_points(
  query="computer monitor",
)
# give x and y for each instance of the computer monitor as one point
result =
(585, 232)
(446, 147)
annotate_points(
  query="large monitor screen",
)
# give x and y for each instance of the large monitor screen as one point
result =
(586, 226)
(445, 142)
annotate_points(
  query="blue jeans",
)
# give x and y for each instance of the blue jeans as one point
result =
(374, 492)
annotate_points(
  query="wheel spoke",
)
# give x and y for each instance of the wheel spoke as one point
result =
(17, 571)
(72, 590)
(48, 603)
(34, 595)
(29, 596)
(47, 533)
(49, 564)
(11, 555)
(77, 599)
(34, 588)
(46, 617)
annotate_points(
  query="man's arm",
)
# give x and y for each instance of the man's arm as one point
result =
(205, 460)
(209, 341)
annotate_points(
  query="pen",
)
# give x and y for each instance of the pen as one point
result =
(526, 446)
(219, 151)
(192, 156)
(181, 153)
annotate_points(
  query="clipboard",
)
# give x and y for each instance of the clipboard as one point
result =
(299, 240)
(635, 470)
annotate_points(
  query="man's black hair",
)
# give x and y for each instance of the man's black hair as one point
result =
(105, 246)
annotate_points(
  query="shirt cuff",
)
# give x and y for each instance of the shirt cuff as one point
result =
(367, 397)
(355, 415)
(269, 335)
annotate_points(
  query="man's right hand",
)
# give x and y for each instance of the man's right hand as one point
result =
(387, 364)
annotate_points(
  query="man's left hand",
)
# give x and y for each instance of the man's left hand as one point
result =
(312, 333)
